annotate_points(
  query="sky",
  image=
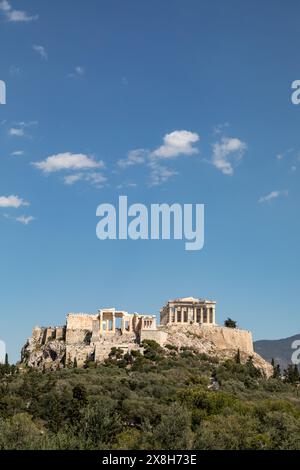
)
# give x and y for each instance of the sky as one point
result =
(164, 102)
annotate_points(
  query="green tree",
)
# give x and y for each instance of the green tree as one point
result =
(229, 323)
(101, 422)
(174, 430)
(238, 357)
(20, 433)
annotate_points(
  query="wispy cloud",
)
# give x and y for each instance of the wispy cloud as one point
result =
(17, 153)
(16, 132)
(227, 153)
(79, 71)
(25, 220)
(22, 219)
(134, 157)
(41, 51)
(19, 129)
(127, 185)
(177, 143)
(14, 71)
(160, 174)
(282, 155)
(95, 178)
(67, 161)
(220, 128)
(12, 202)
(15, 15)
(273, 195)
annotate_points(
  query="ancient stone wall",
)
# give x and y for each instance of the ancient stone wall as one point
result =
(155, 335)
(80, 321)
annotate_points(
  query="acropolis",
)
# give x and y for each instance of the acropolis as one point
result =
(184, 322)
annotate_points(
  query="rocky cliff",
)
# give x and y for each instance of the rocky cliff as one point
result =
(48, 348)
(216, 341)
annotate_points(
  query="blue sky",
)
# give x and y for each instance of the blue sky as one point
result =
(98, 96)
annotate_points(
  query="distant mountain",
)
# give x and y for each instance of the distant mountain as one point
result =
(281, 350)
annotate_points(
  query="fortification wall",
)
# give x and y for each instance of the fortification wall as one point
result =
(42, 335)
(80, 321)
(77, 336)
(155, 335)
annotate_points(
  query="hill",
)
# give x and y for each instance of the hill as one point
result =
(280, 350)
(167, 398)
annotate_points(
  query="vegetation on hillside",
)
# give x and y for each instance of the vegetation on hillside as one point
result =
(166, 399)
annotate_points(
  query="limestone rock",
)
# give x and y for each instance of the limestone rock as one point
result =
(80, 341)
(216, 341)
(51, 355)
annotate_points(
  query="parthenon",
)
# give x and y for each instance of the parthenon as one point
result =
(188, 310)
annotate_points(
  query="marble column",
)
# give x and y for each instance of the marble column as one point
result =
(123, 325)
(101, 323)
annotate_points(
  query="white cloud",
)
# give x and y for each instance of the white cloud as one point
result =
(15, 15)
(17, 153)
(71, 179)
(226, 152)
(94, 178)
(273, 195)
(16, 132)
(67, 161)
(19, 129)
(12, 202)
(177, 143)
(41, 51)
(293, 168)
(25, 220)
(134, 157)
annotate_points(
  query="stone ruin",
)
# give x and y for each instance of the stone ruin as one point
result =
(88, 337)
(184, 323)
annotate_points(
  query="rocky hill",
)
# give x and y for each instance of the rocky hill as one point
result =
(217, 341)
(44, 351)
